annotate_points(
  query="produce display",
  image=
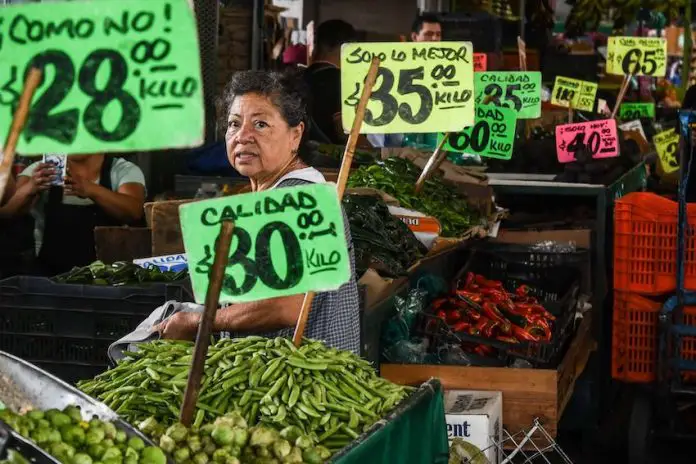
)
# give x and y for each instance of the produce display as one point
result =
(330, 395)
(118, 273)
(381, 241)
(69, 438)
(230, 440)
(483, 308)
(360, 156)
(397, 177)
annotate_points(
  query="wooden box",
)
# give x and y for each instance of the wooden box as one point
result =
(527, 393)
(122, 243)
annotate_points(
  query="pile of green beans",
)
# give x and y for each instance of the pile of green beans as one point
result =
(330, 394)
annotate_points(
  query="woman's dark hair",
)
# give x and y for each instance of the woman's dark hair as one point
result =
(287, 91)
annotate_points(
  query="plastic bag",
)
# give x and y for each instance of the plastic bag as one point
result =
(408, 352)
(399, 327)
(454, 355)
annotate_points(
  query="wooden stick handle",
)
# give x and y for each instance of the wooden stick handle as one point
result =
(212, 298)
(620, 97)
(18, 122)
(348, 153)
(341, 182)
(433, 163)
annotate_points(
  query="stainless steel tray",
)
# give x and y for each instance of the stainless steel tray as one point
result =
(45, 391)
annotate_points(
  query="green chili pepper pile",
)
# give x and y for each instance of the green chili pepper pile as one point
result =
(381, 241)
(119, 273)
(66, 436)
(230, 440)
(397, 177)
(327, 393)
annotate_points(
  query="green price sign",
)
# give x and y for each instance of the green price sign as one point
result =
(520, 91)
(117, 76)
(421, 86)
(493, 135)
(286, 241)
(631, 111)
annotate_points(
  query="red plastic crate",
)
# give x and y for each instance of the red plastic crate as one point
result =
(645, 245)
(634, 337)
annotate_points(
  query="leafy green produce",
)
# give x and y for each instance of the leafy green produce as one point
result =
(397, 177)
(116, 274)
(230, 439)
(381, 241)
(322, 392)
(70, 439)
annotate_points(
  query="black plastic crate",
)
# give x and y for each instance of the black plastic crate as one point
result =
(49, 349)
(39, 306)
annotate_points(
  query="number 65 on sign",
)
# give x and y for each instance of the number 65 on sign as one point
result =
(638, 56)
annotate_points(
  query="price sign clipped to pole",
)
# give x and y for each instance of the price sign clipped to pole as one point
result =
(637, 56)
(520, 91)
(119, 76)
(480, 62)
(493, 135)
(421, 87)
(598, 138)
(574, 93)
(667, 146)
(286, 241)
(631, 111)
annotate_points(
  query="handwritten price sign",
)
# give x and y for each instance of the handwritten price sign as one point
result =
(480, 62)
(639, 56)
(493, 135)
(667, 146)
(520, 91)
(285, 242)
(421, 87)
(118, 76)
(574, 93)
(630, 111)
(598, 138)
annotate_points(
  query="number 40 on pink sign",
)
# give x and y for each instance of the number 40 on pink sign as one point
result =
(597, 138)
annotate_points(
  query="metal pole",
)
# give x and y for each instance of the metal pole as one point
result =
(257, 35)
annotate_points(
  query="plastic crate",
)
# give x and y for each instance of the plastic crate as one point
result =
(645, 245)
(634, 337)
(38, 306)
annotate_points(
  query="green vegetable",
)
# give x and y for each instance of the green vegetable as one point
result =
(167, 443)
(119, 273)
(281, 448)
(152, 455)
(222, 435)
(81, 458)
(311, 456)
(397, 177)
(59, 419)
(181, 455)
(72, 435)
(177, 432)
(136, 443)
(94, 436)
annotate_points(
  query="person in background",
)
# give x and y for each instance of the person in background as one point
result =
(99, 190)
(426, 28)
(324, 80)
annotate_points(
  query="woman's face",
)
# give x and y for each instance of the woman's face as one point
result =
(259, 141)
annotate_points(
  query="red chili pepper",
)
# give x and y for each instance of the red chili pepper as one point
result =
(438, 303)
(484, 350)
(475, 297)
(539, 332)
(453, 315)
(487, 326)
(482, 281)
(470, 276)
(442, 314)
(522, 335)
(461, 326)
(522, 290)
(492, 312)
(472, 314)
(506, 339)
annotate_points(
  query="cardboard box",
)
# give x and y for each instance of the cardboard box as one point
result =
(476, 417)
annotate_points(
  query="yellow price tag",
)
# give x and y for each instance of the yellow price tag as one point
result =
(574, 93)
(640, 56)
(420, 87)
(667, 145)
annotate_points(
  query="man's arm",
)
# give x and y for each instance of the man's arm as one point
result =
(126, 204)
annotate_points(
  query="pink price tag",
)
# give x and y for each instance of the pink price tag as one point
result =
(597, 137)
(480, 62)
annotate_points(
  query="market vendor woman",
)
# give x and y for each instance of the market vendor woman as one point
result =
(99, 190)
(266, 122)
